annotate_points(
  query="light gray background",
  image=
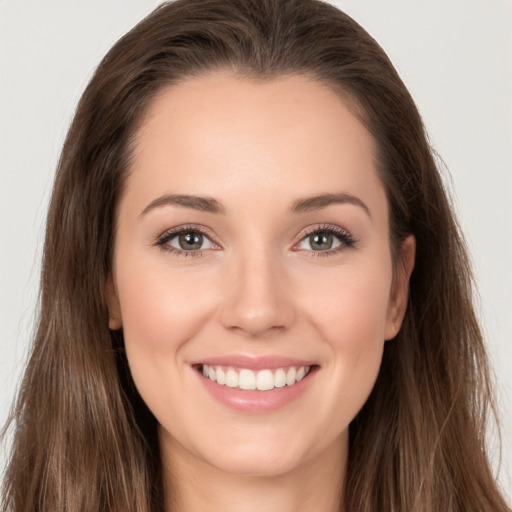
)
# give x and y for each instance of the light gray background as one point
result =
(455, 57)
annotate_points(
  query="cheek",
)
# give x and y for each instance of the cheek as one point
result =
(159, 307)
(350, 306)
(350, 317)
(161, 311)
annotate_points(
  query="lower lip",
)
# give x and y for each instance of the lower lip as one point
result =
(257, 401)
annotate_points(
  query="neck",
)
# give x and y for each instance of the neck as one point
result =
(194, 485)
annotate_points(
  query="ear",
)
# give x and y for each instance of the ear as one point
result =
(400, 289)
(114, 308)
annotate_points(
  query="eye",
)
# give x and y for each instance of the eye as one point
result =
(190, 241)
(320, 241)
(185, 240)
(326, 239)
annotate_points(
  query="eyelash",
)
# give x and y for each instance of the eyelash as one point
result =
(163, 240)
(346, 239)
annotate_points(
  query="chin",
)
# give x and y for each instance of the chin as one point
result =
(261, 465)
(260, 455)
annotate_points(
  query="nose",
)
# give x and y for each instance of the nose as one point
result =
(257, 297)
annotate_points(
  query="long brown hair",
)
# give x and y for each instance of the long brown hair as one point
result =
(84, 440)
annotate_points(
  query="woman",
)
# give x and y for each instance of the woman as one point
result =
(254, 291)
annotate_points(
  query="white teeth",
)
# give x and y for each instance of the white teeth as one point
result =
(265, 380)
(280, 378)
(246, 379)
(262, 380)
(231, 378)
(221, 376)
(290, 376)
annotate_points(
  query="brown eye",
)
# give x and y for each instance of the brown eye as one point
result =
(188, 241)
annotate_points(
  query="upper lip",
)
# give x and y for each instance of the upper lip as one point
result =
(253, 362)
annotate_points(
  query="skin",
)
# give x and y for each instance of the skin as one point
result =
(259, 288)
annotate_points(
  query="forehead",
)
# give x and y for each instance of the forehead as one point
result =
(222, 134)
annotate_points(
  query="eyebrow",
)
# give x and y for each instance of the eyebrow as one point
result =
(211, 205)
(308, 204)
(203, 204)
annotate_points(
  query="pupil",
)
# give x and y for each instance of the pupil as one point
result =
(320, 241)
(191, 241)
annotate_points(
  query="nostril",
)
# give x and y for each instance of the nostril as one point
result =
(257, 303)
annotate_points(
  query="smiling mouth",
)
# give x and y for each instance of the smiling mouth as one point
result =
(249, 380)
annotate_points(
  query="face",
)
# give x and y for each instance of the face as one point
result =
(252, 271)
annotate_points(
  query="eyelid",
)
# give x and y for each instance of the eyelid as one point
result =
(175, 240)
(347, 240)
(163, 239)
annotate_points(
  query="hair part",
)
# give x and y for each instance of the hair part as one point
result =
(85, 441)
